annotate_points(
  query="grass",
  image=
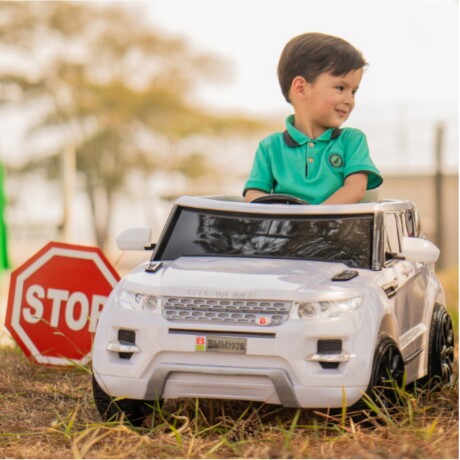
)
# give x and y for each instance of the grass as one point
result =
(49, 413)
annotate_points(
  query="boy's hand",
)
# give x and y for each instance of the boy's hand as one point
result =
(253, 194)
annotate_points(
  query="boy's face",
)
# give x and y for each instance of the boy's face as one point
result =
(329, 100)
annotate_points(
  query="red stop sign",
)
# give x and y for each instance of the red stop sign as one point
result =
(55, 299)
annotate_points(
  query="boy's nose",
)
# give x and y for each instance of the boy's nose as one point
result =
(349, 103)
(349, 98)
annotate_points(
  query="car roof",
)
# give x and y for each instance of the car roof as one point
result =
(237, 204)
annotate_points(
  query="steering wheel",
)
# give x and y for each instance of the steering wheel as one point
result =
(278, 198)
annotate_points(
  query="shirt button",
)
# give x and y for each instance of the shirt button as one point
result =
(311, 160)
(311, 144)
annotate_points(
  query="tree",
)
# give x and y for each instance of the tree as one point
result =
(102, 80)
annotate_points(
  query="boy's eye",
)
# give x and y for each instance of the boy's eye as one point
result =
(340, 88)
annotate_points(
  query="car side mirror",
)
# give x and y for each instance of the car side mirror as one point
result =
(135, 239)
(419, 250)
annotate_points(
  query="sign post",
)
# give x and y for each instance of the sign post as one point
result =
(54, 302)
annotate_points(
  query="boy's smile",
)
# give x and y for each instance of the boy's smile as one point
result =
(325, 103)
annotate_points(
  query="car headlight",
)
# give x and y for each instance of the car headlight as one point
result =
(327, 309)
(134, 301)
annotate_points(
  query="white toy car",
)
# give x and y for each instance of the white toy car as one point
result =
(296, 305)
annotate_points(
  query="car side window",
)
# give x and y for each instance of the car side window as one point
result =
(417, 224)
(401, 219)
(409, 223)
(392, 240)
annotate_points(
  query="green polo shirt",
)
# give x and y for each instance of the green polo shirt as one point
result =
(311, 169)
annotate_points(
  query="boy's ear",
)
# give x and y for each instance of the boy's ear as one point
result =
(300, 88)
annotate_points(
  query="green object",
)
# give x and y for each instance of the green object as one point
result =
(4, 262)
(311, 169)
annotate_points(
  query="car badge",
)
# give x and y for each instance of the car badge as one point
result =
(263, 320)
(200, 343)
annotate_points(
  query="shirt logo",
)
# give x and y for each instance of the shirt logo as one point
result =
(335, 160)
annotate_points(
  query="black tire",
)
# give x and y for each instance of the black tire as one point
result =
(386, 377)
(133, 411)
(387, 372)
(440, 349)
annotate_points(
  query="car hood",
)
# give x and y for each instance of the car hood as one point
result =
(229, 277)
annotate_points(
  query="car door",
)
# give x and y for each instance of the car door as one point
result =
(410, 282)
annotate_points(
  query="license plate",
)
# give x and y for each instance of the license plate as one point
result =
(218, 344)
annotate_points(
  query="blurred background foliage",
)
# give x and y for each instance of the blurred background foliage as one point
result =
(105, 83)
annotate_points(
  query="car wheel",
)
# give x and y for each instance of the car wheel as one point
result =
(133, 411)
(387, 373)
(440, 348)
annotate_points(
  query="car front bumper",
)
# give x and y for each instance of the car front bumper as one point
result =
(280, 366)
(272, 386)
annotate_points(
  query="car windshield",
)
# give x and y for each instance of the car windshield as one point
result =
(344, 238)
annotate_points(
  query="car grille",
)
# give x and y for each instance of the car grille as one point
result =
(240, 311)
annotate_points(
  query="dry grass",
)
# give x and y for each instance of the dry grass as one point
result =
(50, 413)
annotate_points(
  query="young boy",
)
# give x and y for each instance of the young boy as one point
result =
(313, 159)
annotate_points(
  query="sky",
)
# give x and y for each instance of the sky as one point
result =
(411, 46)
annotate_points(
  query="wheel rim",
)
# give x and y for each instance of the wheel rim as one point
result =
(390, 367)
(446, 348)
(388, 375)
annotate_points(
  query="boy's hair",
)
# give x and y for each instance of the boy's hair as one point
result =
(311, 54)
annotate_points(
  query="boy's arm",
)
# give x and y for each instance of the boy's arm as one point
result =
(352, 190)
(252, 194)
(261, 180)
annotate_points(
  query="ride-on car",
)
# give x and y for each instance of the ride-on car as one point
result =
(285, 303)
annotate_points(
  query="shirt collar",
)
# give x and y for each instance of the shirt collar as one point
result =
(294, 138)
